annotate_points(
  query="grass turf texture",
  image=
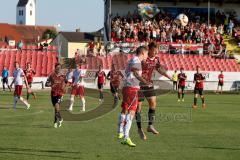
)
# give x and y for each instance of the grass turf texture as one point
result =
(184, 133)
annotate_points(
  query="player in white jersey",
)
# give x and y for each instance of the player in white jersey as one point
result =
(77, 87)
(130, 94)
(18, 75)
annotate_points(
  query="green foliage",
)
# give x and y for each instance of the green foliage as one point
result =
(49, 34)
(69, 63)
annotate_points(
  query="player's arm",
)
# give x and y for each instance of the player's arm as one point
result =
(26, 82)
(48, 82)
(139, 77)
(105, 77)
(121, 75)
(163, 72)
(12, 83)
(96, 75)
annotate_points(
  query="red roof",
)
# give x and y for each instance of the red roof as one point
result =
(28, 34)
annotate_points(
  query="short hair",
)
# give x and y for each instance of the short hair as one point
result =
(152, 45)
(141, 49)
(57, 64)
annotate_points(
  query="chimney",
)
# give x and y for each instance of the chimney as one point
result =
(78, 30)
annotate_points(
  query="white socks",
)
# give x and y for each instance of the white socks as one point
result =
(128, 125)
(121, 122)
(83, 103)
(71, 103)
(24, 101)
(15, 99)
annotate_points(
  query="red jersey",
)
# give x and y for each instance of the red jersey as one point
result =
(220, 78)
(182, 79)
(148, 67)
(101, 77)
(115, 77)
(57, 84)
(198, 78)
(29, 74)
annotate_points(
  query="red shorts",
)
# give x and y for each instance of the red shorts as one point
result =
(78, 90)
(130, 98)
(18, 90)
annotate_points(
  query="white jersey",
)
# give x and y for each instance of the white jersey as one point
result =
(78, 77)
(18, 74)
(131, 80)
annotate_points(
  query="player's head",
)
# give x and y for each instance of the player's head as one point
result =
(153, 50)
(181, 69)
(4, 67)
(58, 67)
(198, 69)
(221, 72)
(16, 65)
(175, 71)
(142, 53)
(113, 67)
(28, 65)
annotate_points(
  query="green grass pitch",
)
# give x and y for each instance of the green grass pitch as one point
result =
(185, 134)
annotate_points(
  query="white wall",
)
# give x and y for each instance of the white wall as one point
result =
(31, 19)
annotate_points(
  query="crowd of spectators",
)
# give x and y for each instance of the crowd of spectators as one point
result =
(162, 28)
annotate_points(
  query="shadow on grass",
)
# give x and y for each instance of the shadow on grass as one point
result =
(219, 148)
(36, 152)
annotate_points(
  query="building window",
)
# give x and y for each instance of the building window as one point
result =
(30, 12)
(20, 12)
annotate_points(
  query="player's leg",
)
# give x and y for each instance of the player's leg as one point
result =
(8, 85)
(122, 115)
(127, 127)
(100, 88)
(82, 93)
(57, 118)
(114, 93)
(179, 93)
(17, 96)
(139, 120)
(151, 114)
(195, 99)
(71, 102)
(32, 93)
(202, 98)
(3, 83)
(221, 88)
(183, 92)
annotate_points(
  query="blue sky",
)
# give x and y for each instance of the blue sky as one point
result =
(70, 14)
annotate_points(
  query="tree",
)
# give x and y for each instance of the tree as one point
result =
(49, 34)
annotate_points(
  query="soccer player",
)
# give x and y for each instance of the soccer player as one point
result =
(77, 87)
(220, 82)
(5, 75)
(56, 81)
(115, 78)
(18, 76)
(29, 72)
(100, 76)
(148, 66)
(175, 80)
(181, 84)
(198, 90)
(130, 94)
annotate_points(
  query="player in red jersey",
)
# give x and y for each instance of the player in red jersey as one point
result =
(115, 78)
(198, 90)
(148, 66)
(130, 94)
(181, 84)
(100, 76)
(56, 81)
(29, 72)
(220, 82)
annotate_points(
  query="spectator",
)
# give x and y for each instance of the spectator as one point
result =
(20, 45)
